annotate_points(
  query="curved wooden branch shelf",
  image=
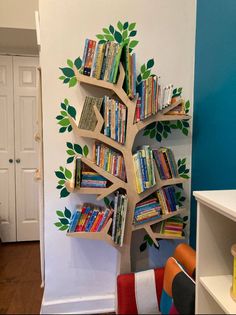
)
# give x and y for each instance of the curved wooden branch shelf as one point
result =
(101, 236)
(160, 183)
(162, 218)
(162, 116)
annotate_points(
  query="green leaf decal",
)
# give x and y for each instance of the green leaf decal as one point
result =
(132, 26)
(72, 111)
(78, 63)
(68, 72)
(185, 131)
(61, 182)
(62, 77)
(68, 174)
(66, 101)
(61, 168)
(70, 63)
(67, 213)
(150, 63)
(64, 227)
(70, 160)
(184, 176)
(64, 122)
(125, 26)
(182, 169)
(109, 37)
(64, 113)
(64, 193)
(72, 82)
(133, 33)
(125, 34)
(66, 80)
(102, 41)
(105, 30)
(118, 37)
(59, 187)
(111, 29)
(158, 137)
(139, 78)
(62, 129)
(143, 68)
(69, 145)
(152, 133)
(120, 26)
(146, 132)
(159, 127)
(58, 224)
(69, 128)
(78, 148)
(59, 117)
(146, 74)
(60, 175)
(63, 106)
(167, 128)
(100, 36)
(85, 150)
(133, 43)
(60, 214)
(179, 124)
(165, 134)
(185, 123)
(173, 126)
(151, 126)
(70, 152)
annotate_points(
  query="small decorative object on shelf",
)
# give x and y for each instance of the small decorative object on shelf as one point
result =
(233, 288)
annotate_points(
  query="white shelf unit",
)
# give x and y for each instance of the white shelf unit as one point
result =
(216, 233)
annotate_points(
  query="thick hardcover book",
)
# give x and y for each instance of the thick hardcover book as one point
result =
(78, 166)
(88, 118)
(74, 220)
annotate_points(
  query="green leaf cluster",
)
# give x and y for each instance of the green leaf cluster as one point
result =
(123, 34)
(145, 71)
(69, 73)
(64, 219)
(177, 92)
(63, 174)
(187, 106)
(74, 149)
(148, 241)
(67, 110)
(182, 169)
(180, 198)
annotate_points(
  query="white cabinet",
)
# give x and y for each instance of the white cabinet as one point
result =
(216, 233)
(19, 152)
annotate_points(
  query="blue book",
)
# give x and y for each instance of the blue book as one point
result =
(74, 221)
(91, 220)
(148, 220)
(168, 196)
(85, 52)
(93, 177)
(146, 207)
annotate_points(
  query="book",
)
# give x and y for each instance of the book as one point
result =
(78, 166)
(88, 118)
(74, 220)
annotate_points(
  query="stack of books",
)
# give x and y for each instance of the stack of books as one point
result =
(119, 217)
(144, 168)
(115, 115)
(90, 218)
(147, 210)
(109, 160)
(152, 97)
(172, 227)
(86, 177)
(165, 162)
(101, 61)
(88, 118)
(167, 199)
(129, 64)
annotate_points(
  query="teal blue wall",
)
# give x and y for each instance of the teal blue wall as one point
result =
(214, 119)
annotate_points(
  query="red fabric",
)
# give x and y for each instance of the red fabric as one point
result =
(173, 310)
(126, 291)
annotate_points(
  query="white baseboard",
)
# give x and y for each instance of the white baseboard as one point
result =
(83, 305)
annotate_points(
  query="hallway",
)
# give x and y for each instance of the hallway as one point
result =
(20, 278)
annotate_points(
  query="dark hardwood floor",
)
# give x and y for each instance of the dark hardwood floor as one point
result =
(20, 278)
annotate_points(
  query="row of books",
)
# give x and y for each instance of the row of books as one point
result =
(172, 227)
(165, 163)
(144, 168)
(89, 218)
(167, 199)
(101, 60)
(152, 97)
(119, 218)
(86, 177)
(115, 115)
(147, 210)
(109, 160)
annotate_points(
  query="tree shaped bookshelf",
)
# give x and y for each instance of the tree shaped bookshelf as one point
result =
(132, 130)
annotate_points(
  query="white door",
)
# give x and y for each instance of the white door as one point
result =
(7, 157)
(26, 91)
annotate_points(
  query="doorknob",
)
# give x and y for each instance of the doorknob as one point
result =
(10, 160)
(17, 160)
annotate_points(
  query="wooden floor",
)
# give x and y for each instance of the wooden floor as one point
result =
(20, 291)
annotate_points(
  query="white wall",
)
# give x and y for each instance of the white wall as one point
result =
(18, 13)
(81, 274)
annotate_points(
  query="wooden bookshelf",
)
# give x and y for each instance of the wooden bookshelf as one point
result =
(132, 130)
